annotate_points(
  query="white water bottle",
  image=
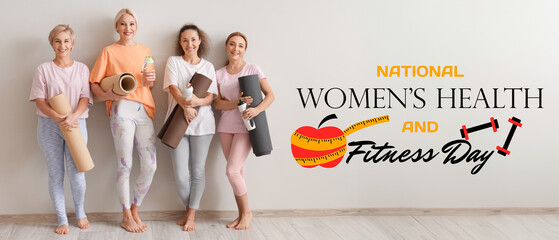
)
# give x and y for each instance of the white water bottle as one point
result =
(249, 124)
(187, 93)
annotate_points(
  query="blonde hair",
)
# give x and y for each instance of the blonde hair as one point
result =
(60, 28)
(123, 11)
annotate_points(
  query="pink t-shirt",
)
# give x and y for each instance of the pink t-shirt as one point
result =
(50, 80)
(231, 121)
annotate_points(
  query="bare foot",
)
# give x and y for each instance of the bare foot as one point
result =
(244, 221)
(128, 222)
(233, 223)
(62, 229)
(83, 223)
(182, 220)
(131, 226)
(135, 215)
(189, 225)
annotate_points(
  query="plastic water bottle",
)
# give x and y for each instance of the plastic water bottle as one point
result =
(149, 65)
(187, 93)
(249, 124)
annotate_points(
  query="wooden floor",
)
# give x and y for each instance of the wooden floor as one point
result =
(320, 228)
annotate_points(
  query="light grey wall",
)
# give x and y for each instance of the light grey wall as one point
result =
(311, 44)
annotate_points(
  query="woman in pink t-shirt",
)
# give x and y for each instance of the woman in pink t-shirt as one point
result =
(233, 134)
(62, 75)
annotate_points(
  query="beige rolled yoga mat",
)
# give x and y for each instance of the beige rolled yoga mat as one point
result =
(123, 84)
(74, 138)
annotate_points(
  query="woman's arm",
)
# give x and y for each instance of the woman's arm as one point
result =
(45, 108)
(177, 95)
(195, 101)
(104, 96)
(268, 99)
(189, 111)
(222, 104)
(71, 120)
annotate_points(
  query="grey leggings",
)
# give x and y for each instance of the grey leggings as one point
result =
(189, 166)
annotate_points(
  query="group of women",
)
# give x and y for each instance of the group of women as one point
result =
(131, 118)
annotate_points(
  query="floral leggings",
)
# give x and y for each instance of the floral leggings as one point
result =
(131, 126)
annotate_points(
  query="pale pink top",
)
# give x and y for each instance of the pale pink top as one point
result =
(51, 80)
(231, 121)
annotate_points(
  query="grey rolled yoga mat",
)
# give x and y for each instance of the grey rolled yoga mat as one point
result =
(260, 136)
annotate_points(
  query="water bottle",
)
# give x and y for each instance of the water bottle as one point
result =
(149, 65)
(187, 93)
(249, 124)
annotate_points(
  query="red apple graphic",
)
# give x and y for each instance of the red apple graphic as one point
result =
(310, 143)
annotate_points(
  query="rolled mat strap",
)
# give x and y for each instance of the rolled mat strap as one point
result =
(74, 138)
(260, 136)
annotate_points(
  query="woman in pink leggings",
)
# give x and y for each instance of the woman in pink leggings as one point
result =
(233, 134)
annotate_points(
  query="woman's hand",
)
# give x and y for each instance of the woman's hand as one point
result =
(69, 122)
(192, 102)
(105, 95)
(247, 99)
(190, 114)
(250, 113)
(148, 78)
(59, 117)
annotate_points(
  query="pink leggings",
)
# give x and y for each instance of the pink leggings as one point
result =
(236, 147)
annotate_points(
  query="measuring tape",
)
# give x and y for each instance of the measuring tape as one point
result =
(317, 144)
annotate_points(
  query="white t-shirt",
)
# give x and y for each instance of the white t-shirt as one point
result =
(178, 72)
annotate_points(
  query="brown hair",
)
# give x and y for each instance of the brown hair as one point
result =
(204, 47)
(60, 28)
(233, 35)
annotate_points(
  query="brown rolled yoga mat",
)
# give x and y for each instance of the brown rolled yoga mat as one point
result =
(74, 138)
(174, 128)
(123, 84)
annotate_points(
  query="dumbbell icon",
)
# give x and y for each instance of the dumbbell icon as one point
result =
(491, 124)
(515, 123)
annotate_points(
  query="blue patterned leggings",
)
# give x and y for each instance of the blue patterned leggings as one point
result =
(57, 155)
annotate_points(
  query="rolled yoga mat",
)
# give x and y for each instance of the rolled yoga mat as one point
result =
(74, 138)
(123, 84)
(260, 136)
(175, 126)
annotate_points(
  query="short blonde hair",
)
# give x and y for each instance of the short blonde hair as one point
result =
(60, 28)
(123, 11)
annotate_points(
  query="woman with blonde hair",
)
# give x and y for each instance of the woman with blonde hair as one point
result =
(131, 116)
(235, 141)
(62, 75)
